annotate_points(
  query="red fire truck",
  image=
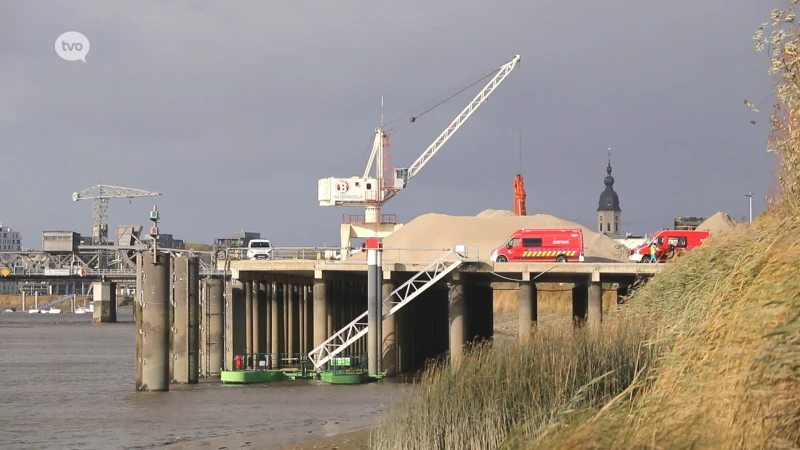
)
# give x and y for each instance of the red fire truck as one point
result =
(541, 245)
(669, 242)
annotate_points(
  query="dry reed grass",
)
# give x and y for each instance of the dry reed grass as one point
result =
(706, 355)
(727, 377)
(492, 392)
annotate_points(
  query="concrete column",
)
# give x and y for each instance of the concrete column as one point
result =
(303, 324)
(457, 313)
(186, 316)
(378, 298)
(373, 307)
(104, 295)
(204, 340)
(275, 327)
(528, 308)
(580, 300)
(268, 295)
(152, 339)
(256, 318)
(216, 326)
(333, 299)
(320, 312)
(288, 298)
(235, 314)
(260, 339)
(595, 303)
(389, 333)
(309, 318)
(248, 321)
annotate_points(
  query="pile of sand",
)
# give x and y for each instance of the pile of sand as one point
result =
(488, 230)
(717, 223)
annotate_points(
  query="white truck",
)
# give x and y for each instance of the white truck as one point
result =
(259, 249)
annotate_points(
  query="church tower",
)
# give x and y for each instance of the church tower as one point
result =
(608, 211)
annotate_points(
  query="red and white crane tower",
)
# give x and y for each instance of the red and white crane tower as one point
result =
(372, 191)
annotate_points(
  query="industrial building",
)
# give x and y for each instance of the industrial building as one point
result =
(10, 241)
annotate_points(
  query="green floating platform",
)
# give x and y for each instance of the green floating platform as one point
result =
(252, 376)
(345, 378)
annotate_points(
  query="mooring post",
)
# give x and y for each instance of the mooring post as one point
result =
(373, 310)
(152, 346)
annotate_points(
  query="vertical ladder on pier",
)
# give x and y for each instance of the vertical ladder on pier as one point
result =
(400, 297)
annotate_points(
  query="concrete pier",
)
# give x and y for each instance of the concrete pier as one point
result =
(235, 314)
(152, 339)
(595, 310)
(457, 312)
(260, 317)
(104, 295)
(216, 327)
(528, 308)
(291, 331)
(275, 327)
(388, 333)
(186, 317)
(320, 312)
(373, 307)
(248, 304)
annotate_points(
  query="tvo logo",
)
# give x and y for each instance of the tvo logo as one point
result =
(72, 46)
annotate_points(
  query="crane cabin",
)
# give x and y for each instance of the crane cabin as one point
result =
(357, 191)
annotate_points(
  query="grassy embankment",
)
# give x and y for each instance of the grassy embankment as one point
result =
(706, 355)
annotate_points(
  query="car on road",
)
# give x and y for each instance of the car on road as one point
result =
(259, 249)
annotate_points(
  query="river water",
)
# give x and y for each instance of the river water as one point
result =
(68, 383)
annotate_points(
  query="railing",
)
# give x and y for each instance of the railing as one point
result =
(361, 218)
(332, 255)
(418, 256)
(89, 273)
(267, 361)
(287, 253)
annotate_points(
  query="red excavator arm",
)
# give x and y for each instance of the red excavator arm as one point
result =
(519, 196)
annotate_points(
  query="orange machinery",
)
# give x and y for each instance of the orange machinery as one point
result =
(519, 196)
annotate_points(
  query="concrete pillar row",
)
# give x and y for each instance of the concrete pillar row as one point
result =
(248, 321)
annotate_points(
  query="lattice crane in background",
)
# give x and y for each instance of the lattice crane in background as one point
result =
(100, 195)
(371, 192)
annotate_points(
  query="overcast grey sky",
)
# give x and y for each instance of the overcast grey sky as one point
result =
(234, 109)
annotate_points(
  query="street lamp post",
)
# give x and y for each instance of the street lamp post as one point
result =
(749, 196)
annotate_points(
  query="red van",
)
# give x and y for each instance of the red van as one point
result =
(668, 243)
(541, 245)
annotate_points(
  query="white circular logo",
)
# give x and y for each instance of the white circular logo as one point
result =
(342, 186)
(72, 46)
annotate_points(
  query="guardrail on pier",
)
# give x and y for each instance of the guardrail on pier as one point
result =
(333, 255)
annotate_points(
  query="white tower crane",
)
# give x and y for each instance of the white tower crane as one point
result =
(99, 195)
(372, 192)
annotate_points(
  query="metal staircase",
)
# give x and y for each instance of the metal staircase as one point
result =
(400, 297)
(53, 302)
